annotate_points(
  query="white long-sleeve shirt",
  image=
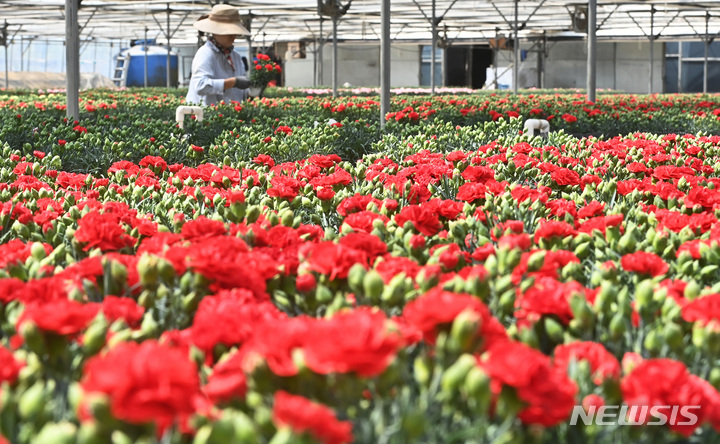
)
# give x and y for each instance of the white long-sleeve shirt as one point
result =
(210, 68)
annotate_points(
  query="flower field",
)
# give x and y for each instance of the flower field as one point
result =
(287, 272)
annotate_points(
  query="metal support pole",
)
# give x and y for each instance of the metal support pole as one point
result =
(443, 67)
(707, 46)
(72, 58)
(335, 57)
(321, 72)
(496, 59)
(384, 61)
(167, 68)
(30, 40)
(591, 52)
(615, 65)
(680, 63)
(145, 45)
(542, 65)
(652, 48)
(496, 82)
(469, 72)
(539, 67)
(22, 53)
(7, 85)
(434, 48)
(5, 44)
(516, 47)
(315, 62)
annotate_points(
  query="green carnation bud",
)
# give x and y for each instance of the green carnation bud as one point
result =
(356, 275)
(413, 424)
(707, 272)
(191, 301)
(605, 297)
(673, 335)
(37, 251)
(477, 388)
(147, 268)
(147, 299)
(464, 330)
(529, 337)
(644, 294)
(583, 250)
(394, 292)
(32, 401)
(91, 433)
(149, 326)
(422, 370)
(536, 261)
(32, 337)
(21, 230)
(699, 336)
(455, 375)
(323, 295)
(653, 341)
(244, 428)
(253, 213)
(582, 312)
(284, 436)
(554, 330)
(626, 244)
(373, 285)
(287, 217)
(57, 433)
(95, 335)
(119, 437)
(714, 378)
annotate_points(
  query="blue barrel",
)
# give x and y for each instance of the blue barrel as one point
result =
(156, 62)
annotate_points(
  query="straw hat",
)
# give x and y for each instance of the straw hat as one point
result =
(223, 20)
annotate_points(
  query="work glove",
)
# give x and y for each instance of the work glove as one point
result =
(242, 83)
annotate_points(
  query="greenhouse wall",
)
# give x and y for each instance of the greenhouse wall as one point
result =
(622, 66)
(359, 65)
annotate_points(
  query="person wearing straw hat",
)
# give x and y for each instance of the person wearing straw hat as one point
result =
(218, 73)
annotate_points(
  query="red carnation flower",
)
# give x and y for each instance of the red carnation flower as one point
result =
(603, 364)
(569, 118)
(102, 231)
(424, 220)
(437, 309)
(9, 366)
(264, 159)
(548, 395)
(63, 316)
(705, 309)
(470, 192)
(367, 352)
(127, 309)
(564, 176)
(146, 383)
(227, 380)
(305, 416)
(665, 382)
(642, 262)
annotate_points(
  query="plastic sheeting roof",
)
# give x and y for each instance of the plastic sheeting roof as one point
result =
(293, 20)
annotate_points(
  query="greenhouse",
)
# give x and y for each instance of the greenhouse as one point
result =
(352, 221)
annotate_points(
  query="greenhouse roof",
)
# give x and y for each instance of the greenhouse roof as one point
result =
(294, 20)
